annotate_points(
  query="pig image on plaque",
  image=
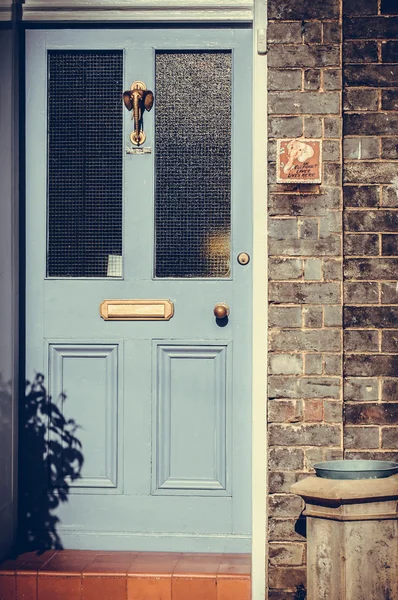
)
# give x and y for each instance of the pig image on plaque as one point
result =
(299, 161)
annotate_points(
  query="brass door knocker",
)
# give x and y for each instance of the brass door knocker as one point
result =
(138, 99)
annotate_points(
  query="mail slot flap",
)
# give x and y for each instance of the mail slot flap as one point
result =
(137, 310)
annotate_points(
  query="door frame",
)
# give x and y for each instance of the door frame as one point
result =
(260, 288)
(259, 578)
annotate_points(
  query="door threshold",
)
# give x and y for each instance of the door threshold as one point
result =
(91, 574)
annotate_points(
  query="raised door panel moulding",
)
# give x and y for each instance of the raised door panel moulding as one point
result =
(138, 10)
(83, 382)
(191, 435)
(5, 10)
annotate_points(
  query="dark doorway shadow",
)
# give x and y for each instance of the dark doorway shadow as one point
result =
(6, 443)
(50, 459)
(300, 526)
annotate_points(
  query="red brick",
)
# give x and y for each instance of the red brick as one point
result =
(313, 410)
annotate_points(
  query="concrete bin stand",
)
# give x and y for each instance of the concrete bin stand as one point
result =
(352, 538)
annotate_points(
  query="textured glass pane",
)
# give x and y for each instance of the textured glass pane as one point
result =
(193, 164)
(85, 164)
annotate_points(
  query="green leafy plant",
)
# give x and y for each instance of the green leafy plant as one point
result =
(50, 460)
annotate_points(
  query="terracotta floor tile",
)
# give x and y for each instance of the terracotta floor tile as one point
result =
(148, 588)
(186, 588)
(32, 561)
(26, 562)
(150, 576)
(104, 588)
(154, 563)
(233, 589)
(198, 565)
(7, 587)
(111, 563)
(70, 563)
(58, 588)
(26, 587)
(232, 564)
(211, 556)
(8, 567)
(116, 556)
(89, 553)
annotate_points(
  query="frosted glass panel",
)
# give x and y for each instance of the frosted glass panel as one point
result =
(193, 164)
(85, 134)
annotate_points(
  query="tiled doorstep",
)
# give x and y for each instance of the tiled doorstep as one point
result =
(87, 575)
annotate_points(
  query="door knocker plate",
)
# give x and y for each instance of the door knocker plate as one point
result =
(138, 99)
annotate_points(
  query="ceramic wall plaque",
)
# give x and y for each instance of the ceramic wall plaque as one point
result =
(299, 161)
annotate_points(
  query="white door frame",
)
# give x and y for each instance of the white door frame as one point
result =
(260, 313)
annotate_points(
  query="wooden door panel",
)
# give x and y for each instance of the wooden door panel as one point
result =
(83, 383)
(191, 428)
(163, 406)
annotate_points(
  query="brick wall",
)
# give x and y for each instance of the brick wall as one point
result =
(305, 272)
(306, 298)
(371, 228)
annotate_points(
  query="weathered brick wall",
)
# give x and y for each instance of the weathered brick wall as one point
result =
(305, 272)
(306, 249)
(371, 228)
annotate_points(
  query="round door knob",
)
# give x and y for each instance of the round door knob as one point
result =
(221, 310)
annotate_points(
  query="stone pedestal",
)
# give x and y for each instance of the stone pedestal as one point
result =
(352, 538)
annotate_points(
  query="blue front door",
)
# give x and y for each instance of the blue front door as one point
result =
(130, 247)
